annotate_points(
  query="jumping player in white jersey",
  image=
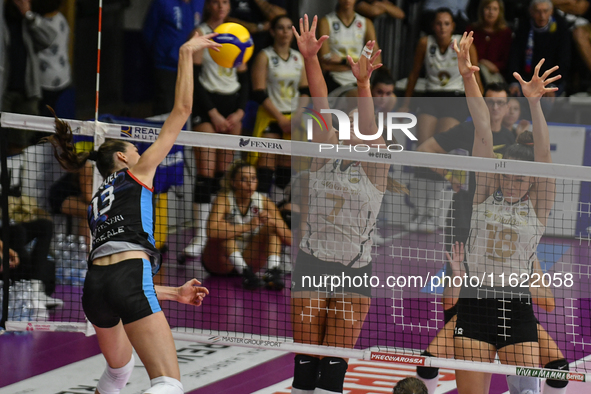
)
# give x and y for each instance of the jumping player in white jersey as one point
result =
(344, 200)
(509, 217)
(119, 296)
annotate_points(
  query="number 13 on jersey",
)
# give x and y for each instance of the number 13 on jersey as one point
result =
(101, 207)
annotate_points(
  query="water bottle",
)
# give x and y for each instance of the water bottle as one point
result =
(28, 308)
(82, 253)
(17, 294)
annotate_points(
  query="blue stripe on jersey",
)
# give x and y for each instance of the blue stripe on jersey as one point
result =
(148, 287)
(147, 209)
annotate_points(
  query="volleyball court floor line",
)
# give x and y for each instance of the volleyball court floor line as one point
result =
(25, 356)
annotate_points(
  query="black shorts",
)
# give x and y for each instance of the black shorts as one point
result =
(226, 104)
(310, 267)
(68, 185)
(497, 321)
(436, 104)
(123, 291)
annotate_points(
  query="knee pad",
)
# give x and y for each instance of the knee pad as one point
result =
(114, 379)
(561, 365)
(523, 384)
(305, 372)
(165, 385)
(427, 372)
(332, 374)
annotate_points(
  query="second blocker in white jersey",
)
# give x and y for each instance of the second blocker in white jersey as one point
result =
(503, 240)
(283, 78)
(236, 217)
(346, 41)
(213, 77)
(442, 68)
(342, 214)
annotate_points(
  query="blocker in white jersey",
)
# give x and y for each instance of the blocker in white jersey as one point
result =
(344, 205)
(503, 239)
(283, 78)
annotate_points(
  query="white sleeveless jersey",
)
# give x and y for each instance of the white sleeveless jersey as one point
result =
(283, 78)
(234, 216)
(346, 40)
(215, 78)
(442, 69)
(342, 213)
(503, 239)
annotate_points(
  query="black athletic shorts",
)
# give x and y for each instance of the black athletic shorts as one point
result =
(502, 321)
(123, 291)
(309, 274)
(436, 104)
(226, 104)
(68, 185)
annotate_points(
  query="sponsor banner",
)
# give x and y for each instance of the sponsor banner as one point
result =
(141, 133)
(366, 377)
(200, 364)
(397, 358)
(545, 374)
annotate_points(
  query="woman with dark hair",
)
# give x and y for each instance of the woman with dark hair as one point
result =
(278, 78)
(492, 39)
(508, 220)
(119, 297)
(220, 98)
(245, 232)
(410, 385)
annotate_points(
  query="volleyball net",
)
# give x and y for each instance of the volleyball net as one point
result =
(391, 314)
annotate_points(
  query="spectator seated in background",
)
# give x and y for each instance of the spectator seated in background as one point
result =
(492, 39)
(221, 95)
(278, 77)
(245, 232)
(347, 33)
(373, 8)
(544, 35)
(30, 223)
(167, 26)
(71, 195)
(580, 12)
(512, 120)
(458, 9)
(256, 16)
(54, 61)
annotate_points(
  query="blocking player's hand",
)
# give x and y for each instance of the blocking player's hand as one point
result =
(306, 39)
(457, 258)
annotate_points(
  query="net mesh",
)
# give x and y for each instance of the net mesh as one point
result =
(415, 224)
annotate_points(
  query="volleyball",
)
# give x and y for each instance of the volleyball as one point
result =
(237, 45)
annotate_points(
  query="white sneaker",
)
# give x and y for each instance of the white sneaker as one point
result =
(414, 224)
(195, 248)
(376, 239)
(40, 299)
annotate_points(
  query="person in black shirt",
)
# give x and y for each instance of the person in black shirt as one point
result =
(459, 140)
(119, 297)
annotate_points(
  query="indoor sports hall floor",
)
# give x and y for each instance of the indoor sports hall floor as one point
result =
(70, 363)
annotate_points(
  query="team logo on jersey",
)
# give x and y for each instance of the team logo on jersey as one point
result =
(498, 195)
(444, 77)
(359, 24)
(275, 61)
(295, 58)
(254, 210)
(354, 175)
(336, 26)
(432, 49)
